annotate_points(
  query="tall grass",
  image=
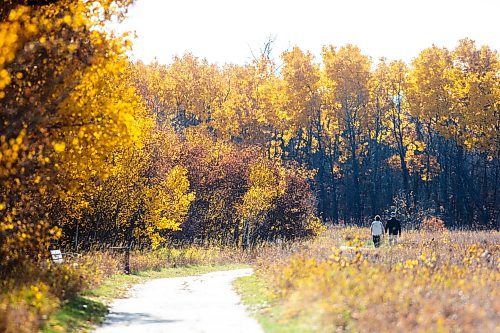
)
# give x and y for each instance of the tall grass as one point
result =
(429, 282)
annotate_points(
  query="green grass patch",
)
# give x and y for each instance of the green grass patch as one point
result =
(81, 313)
(268, 311)
(78, 314)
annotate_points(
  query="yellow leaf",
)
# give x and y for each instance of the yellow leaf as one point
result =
(59, 147)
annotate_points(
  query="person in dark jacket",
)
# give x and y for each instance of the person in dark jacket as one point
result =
(393, 228)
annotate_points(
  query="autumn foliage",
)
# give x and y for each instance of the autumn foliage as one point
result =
(243, 198)
(433, 224)
(371, 131)
(97, 151)
(92, 157)
(64, 109)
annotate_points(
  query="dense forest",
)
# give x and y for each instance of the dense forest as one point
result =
(99, 151)
(422, 136)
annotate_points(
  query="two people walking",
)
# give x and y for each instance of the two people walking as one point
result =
(393, 228)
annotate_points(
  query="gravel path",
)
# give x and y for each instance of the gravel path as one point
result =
(205, 303)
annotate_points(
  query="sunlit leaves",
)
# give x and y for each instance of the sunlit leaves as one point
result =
(65, 109)
(167, 204)
(474, 94)
(265, 186)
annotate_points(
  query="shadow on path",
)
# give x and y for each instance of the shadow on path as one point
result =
(137, 318)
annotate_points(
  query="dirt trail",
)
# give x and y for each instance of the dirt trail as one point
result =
(205, 303)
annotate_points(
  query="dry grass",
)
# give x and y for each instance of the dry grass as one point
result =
(439, 282)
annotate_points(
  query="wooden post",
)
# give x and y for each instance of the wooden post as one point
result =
(127, 260)
(246, 231)
(126, 263)
(76, 236)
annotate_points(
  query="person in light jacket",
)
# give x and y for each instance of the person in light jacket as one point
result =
(377, 231)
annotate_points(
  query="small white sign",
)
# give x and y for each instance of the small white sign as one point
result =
(57, 256)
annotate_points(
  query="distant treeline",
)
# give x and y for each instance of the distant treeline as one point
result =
(421, 137)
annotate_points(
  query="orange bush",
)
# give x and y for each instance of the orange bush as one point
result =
(433, 224)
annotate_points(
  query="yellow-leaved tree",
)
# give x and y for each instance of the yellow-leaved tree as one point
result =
(349, 71)
(71, 124)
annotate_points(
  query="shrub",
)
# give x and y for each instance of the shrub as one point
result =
(16, 317)
(292, 215)
(433, 224)
(243, 198)
(33, 290)
(22, 308)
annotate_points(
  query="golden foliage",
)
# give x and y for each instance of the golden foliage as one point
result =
(265, 186)
(71, 125)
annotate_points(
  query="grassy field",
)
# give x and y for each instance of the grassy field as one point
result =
(81, 313)
(260, 301)
(429, 282)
